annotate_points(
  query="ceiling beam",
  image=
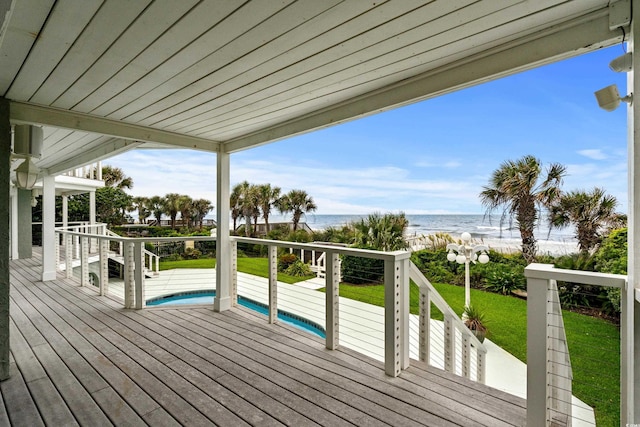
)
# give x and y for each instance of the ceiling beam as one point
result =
(21, 112)
(103, 151)
(562, 41)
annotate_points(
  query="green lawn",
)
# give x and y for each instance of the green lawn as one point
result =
(594, 344)
(256, 266)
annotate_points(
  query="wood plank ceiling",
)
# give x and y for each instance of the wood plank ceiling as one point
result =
(106, 76)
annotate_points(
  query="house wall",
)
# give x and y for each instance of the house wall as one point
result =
(5, 203)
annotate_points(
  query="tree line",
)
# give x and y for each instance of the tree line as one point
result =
(254, 201)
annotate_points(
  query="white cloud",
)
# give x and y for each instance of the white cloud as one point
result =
(595, 154)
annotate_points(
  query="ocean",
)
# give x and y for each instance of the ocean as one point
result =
(479, 226)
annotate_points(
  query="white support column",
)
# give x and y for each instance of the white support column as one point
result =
(537, 352)
(138, 258)
(630, 308)
(14, 223)
(65, 211)
(332, 284)
(48, 227)
(5, 158)
(92, 218)
(273, 284)
(222, 300)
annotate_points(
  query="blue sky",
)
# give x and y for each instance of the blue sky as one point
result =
(430, 157)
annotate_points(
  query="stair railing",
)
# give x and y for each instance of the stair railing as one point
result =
(459, 341)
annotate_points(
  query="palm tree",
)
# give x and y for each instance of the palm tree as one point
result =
(115, 177)
(298, 202)
(250, 208)
(172, 207)
(156, 206)
(141, 204)
(382, 232)
(201, 207)
(267, 198)
(519, 187)
(236, 201)
(592, 213)
(185, 206)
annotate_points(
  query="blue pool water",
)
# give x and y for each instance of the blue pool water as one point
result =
(206, 297)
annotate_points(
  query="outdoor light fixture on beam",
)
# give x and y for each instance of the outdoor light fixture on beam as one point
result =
(464, 254)
(609, 98)
(26, 175)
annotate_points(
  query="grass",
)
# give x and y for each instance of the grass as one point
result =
(594, 343)
(256, 266)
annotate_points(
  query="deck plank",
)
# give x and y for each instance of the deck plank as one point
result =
(102, 364)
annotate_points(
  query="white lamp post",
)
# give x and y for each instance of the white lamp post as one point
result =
(463, 254)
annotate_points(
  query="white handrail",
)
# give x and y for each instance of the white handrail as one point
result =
(452, 323)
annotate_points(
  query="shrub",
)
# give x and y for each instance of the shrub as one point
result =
(611, 257)
(503, 278)
(358, 270)
(191, 253)
(286, 260)
(298, 269)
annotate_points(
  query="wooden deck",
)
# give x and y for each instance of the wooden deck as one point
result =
(78, 358)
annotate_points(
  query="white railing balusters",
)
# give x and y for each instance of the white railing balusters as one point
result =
(138, 247)
(129, 275)
(332, 285)
(104, 266)
(459, 345)
(549, 373)
(273, 284)
(234, 273)
(84, 261)
(68, 256)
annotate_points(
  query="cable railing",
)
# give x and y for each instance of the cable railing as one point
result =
(447, 344)
(593, 387)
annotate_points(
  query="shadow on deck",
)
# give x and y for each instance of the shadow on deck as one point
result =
(78, 358)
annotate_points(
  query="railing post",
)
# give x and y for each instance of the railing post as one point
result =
(138, 259)
(466, 356)
(332, 284)
(76, 245)
(104, 266)
(234, 273)
(129, 280)
(68, 255)
(273, 284)
(396, 318)
(449, 344)
(537, 352)
(481, 366)
(424, 345)
(84, 261)
(57, 251)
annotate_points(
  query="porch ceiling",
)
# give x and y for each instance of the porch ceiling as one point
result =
(107, 76)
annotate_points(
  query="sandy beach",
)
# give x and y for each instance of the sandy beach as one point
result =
(545, 247)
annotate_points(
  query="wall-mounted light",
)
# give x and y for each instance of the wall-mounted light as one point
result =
(26, 175)
(622, 64)
(609, 98)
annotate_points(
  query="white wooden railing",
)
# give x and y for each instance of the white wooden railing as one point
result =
(92, 171)
(458, 340)
(549, 373)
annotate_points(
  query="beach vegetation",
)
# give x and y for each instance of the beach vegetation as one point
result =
(299, 269)
(285, 260)
(504, 278)
(521, 189)
(592, 213)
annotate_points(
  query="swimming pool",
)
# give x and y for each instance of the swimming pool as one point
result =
(206, 297)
